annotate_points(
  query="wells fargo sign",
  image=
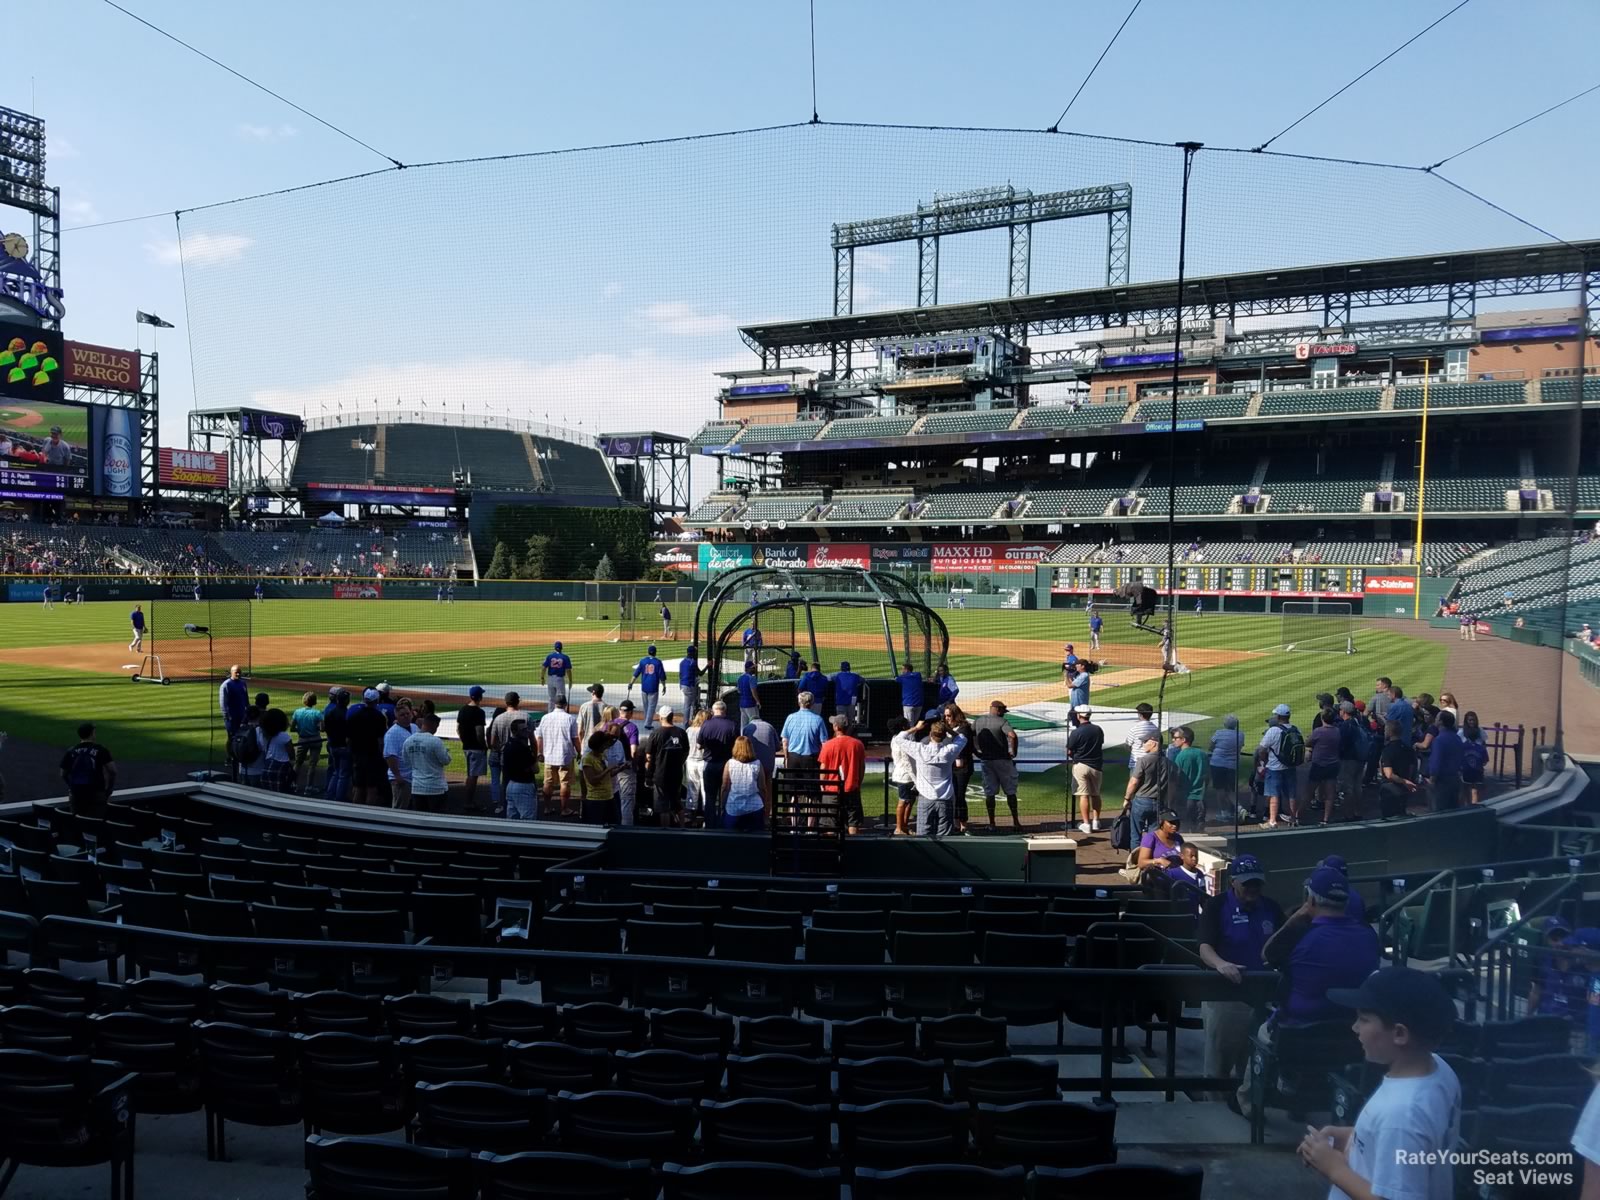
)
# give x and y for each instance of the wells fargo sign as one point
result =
(101, 366)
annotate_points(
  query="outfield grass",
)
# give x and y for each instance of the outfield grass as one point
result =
(44, 703)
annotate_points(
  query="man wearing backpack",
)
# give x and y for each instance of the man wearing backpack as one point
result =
(1282, 750)
(89, 774)
(247, 750)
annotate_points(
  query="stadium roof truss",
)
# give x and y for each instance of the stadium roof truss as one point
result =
(1008, 208)
(1457, 280)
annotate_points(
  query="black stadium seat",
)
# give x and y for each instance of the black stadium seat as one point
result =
(743, 1180)
(481, 1117)
(940, 1181)
(365, 1168)
(552, 1175)
(765, 1129)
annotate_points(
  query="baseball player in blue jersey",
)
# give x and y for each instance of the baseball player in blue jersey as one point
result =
(554, 673)
(649, 673)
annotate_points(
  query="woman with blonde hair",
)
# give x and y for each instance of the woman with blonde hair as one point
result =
(695, 769)
(746, 790)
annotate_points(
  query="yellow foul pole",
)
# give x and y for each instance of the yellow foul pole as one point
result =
(1422, 484)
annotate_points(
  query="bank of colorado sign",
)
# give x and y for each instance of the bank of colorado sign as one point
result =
(1003, 557)
(191, 468)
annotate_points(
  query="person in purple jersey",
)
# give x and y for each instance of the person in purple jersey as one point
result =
(1234, 928)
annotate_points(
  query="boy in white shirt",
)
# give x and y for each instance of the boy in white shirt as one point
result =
(1398, 1148)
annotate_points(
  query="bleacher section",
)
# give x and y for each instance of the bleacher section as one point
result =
(962, 506)
(792, 431)
(969, 422)
(713, 506)
(335, 456)
(1062, 416)
(867, 427)
(1192, 408)
(423, 455)
(574, 470)
(1565, 391)
(1535, 574)
(1331, 400)
(1293, 482)
(779, 506)
(712, 435)
(1072, 502)
(1461, 395)
(868, 507)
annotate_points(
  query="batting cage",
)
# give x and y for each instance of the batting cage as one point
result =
(1327, 626)
(195, 641)
(789, 620)
(637, 612)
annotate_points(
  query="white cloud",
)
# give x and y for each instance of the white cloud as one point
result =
(868, 259)
(611, 291)
(80, 212)
(199, 249)
(265, 133)
(685, 320)
(594, 393)
(56, 147)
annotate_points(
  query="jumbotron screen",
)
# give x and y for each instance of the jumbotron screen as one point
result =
(44, 449)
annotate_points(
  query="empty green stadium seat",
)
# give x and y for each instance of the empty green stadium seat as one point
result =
(1331, 400)
(978, 421)
(867, 427)
(1460, 395)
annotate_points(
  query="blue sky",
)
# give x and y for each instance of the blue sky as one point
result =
(605, 288)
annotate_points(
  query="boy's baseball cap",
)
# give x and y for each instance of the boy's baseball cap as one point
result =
(1245, 868)
(1281, 711)
(1084, 710)
(475, 692)
(1338, 863)
(370, 695)
(597, 689)
(1329, 883)
(1403, 996)
(625, 706)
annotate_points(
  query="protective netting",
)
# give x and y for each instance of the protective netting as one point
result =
(604, 290)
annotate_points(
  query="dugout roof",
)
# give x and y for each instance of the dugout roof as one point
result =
(1458, 277)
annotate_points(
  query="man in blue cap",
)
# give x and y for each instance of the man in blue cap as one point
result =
(689, 681)
(815, 682)
(1234, 926)
(554, 673)
(847, 691)
(1357, 907)
(649, 672)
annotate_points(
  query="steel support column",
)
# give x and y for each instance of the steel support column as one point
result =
(1119, 244)
(844, 280)
(1462, 301)
(928, 271)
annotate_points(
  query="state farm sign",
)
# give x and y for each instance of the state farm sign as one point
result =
(1389, 585)
(1003, 557)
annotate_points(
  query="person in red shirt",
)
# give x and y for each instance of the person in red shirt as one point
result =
(843, 760)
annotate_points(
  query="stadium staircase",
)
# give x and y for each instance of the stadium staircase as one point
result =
(541, 481)
(380, 456)
(1253, 409)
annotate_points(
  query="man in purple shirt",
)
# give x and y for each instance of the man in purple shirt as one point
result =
(1320, 947)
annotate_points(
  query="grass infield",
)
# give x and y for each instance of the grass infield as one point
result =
(68, 664)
